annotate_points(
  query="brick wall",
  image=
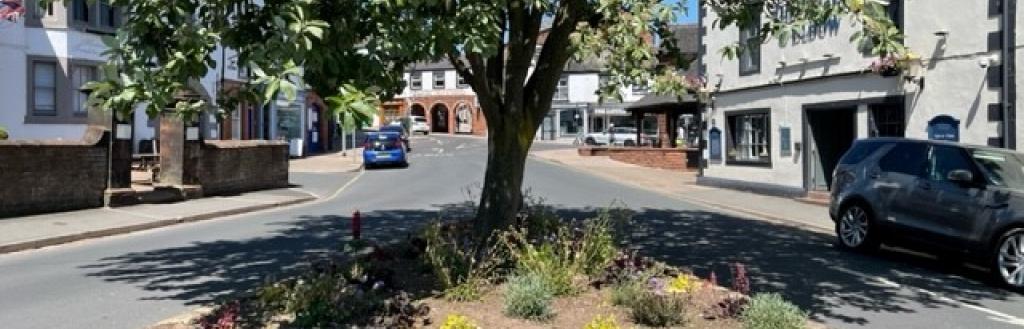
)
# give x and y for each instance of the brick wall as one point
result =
(234, 166)
(50, 176)
(665, 158)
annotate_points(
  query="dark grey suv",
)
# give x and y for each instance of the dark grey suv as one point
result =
(954, 197)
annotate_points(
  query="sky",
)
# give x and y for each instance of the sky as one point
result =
(691, 11)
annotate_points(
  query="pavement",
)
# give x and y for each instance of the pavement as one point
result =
(38, 231)
(135, 280)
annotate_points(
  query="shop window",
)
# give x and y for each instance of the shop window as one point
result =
(749, 139)
(886, 120)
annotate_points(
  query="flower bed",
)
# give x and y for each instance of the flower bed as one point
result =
(541, 272)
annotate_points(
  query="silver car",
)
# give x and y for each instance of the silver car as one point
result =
(957, 198)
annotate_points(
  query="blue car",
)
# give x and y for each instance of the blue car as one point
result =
(384, 148)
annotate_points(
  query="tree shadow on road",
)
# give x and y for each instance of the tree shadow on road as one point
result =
(804, 266)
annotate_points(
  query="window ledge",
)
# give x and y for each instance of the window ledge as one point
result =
(40, 119)
(749, 163)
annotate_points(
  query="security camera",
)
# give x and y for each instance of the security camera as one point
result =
(987, 61)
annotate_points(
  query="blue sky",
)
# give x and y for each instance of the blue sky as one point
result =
(691, 11)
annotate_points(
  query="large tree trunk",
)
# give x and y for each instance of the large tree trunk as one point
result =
(502, 196)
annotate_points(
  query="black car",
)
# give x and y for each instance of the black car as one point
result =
(941, 195)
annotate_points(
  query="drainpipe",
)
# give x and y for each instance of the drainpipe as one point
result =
(1009, 74)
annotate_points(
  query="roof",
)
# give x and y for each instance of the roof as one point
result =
(687, 37)
(590, 64)
(656, 100)
(443, 64)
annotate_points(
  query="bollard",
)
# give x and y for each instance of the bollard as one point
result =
(357, 225)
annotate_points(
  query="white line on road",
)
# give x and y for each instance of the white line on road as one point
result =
(993, 314)
(461, 146)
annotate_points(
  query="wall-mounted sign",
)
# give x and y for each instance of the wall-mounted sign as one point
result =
(192, 133)
(715, 144)
(944, 128)
(123, 131)
(785, 142)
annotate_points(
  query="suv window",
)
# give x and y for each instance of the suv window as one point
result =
(945, 159)
(906, 158)
(860, 151)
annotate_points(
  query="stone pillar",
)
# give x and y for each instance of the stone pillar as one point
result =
(663, 130)
(180, 149)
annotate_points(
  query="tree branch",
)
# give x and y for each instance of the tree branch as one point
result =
(524, 28)
(553, 57)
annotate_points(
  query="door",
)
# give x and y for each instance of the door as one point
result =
(948, 210)
(831, 132)
(896, 178)
(314, 130)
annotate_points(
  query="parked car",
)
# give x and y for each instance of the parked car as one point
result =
(943, 196)
(384, 148)
(625, 136)
(403, 134)
(419, 125)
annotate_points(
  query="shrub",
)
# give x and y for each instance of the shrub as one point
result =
(624, 294)
(624, 267)
(602, 322)
(455, 321)
(596, 245)
(658, 309)
(553, 268)
(460, 265)
(528, 297)
(3, 133)
(770, 311)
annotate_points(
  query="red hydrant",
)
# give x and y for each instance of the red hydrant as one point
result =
(357, 225)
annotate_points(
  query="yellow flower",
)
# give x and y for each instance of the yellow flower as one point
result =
(603, 322)
(683, 283)
(455, 321)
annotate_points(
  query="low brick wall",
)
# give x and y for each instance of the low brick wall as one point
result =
(665, 158)
(47, 176)
(232, 166)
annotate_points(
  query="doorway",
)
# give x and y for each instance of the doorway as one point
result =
(829, 134)
(439, 119)
(418, 111)
(463, 119)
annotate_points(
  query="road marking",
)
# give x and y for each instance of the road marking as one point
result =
(461, 146)
(993, 314)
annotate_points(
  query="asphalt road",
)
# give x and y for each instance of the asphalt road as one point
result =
(134, 280)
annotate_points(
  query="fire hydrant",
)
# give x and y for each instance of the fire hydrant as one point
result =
(357, 225)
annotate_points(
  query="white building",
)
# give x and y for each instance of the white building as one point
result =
(783, 115)
(49, 53)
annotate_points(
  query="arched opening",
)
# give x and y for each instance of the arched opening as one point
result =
(439, 118)
(418, 111)
(463, 119)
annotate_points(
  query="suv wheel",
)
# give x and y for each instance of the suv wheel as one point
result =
(855, 229)
(629, 143)
(590, 141)
(1009, 259)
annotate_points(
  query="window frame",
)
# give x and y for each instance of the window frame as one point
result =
(746, 37)
(93, 21)
(76, 91)
(64, 94)
(561, 89)
(891, 151)
(460, 81)
(435, 79)
(416, 80)
(32, 87)
(731, 130)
